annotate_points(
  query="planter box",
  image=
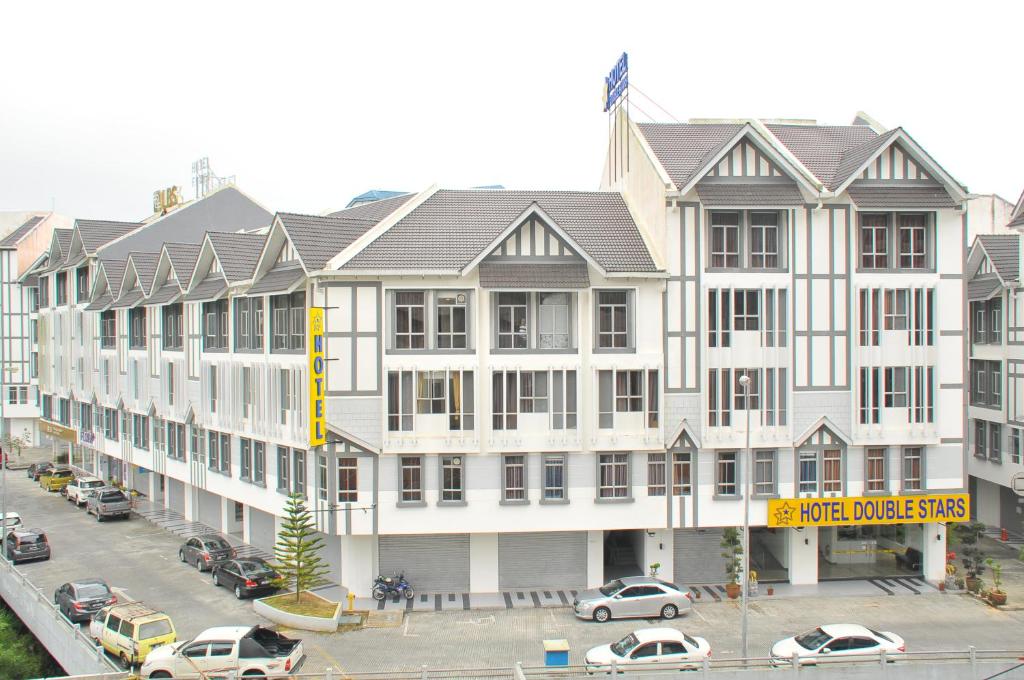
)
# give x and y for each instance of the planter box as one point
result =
(299, 621)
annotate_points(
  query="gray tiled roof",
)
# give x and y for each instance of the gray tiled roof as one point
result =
(277, 280)
(888, 196)
(533, 276)
(1017, 216)
(684, 148)
(756, 195)
(145, 268)
(98, 233)
(317, 239)
(821, 148)
(64, 243)
(1003, 252)
(183, 258)
(982, 287)
(856, 156)
(210, 288)
(452, 227)
(21, 232)
(100, 303)
(114, 271)
(129, 299)
(164, 294)
(374, 211)
(237, 253)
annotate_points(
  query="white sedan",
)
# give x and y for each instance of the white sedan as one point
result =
(836, 640)
(662, 646)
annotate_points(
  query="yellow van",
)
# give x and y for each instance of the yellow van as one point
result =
(130, 631)
(58, 479)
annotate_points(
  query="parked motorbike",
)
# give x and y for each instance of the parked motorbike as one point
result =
(392, 585)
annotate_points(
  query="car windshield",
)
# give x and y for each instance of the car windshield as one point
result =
(90, 591)
(254, 568)
(610, 588)
(813, 639)
(112, 497)
(154, 629)
(622, 647)
(31, 538)
(91, 485)
(690, 641)
(215, 544)
(882, 636)
(671, 585)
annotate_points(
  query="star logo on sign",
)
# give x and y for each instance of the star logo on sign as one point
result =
(784, 514)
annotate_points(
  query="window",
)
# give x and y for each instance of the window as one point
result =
(197, 438)
(764, 473)
(348, 480)
(912, 469)
(437, 393)
(652, 398)
(869, 317)
(44, 291)
(285, 400)
(533, 392)
(299, 472)
(764, 240)
(775, 393)
(248, 324)
(109, 424)
(451, 321)
(461, 400)
(923, 318)
(173, 327)
(808, 469)
(137, 328)
(987, 322)
(245, 458)
(215, 325)
(430, 395)
(411, 471)
(213, 447)
(874, 478)
(400, 401)
(451, 479)
(283, 469)
(321, 477)
(82, 284)
(924, 394)
(108, 329)
(746, 310)
(726, 474)
(895, 386)
(869, 396)
(513, 331)
(752, 391)
(725, 239)
(247, 392)
(19, 395)
(613, 319)
(1015, 446)
(504, 401)
(995, 442)
(775, 317)
(288, 322)
(655, 474)
(986, 383)
(613, 475)
(554, 320)
(681, 469)
(213, 389)
(896, 310)
(832, 471)
(554, 478)
(513, 476)
(719, 398)
(62, 288)
(563, 400)
(410, 320)
(628, 391)
(913, 241)
(140, 431)
(874, 241)
(719, 320)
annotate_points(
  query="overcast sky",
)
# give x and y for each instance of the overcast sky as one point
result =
(310, 104)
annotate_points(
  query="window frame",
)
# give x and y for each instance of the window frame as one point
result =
(720, 488)
(416, 494)
(905, 457)
(611, 465)
(348, 479)
(554, 460)
(215, 325)
(509, 463)
(604, 339)
(250, 324)
(172, 327)
(883, 481)
(455, 464)
(765, 458)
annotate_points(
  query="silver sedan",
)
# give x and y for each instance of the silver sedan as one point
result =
(633, 596)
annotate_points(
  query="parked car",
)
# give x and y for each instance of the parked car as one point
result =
(663, 646)
(23, 545)
(12, 521)
(203, 552)
(633, 596)
(79, 600)
(835, 640)
(46, 473)
(910, 559)
(37, 469)
(57, 479)
(245, 577)
(131, 631)
(246, 650)
(79, 488)
(108, 501)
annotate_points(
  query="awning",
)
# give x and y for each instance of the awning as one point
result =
(734, 195)
(915, 197)
(277, 281)
(129, 299)
(210, 288)
(100, 303)
(533, 276)
(982, 289)
(164, 294)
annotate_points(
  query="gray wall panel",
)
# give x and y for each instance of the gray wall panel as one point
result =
(542, 560)
(431, 563)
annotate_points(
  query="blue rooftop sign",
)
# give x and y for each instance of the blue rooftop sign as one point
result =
(616, 82)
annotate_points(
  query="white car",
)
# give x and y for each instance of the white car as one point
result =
(663, 646)
(217, 652)
(836, 640)
(12, 521)
(79, 488)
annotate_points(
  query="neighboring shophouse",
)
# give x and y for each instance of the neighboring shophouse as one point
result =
(505, 390)
(996, 370)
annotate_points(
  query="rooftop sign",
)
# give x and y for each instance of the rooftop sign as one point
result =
(616, 82)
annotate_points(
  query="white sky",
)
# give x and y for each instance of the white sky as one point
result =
(310, 104)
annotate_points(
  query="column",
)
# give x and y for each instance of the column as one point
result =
(658, 548)
(358, 563)
(595, 558)
(483, 563)
(802, 552)
(933, 552)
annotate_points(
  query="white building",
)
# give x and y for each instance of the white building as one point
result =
(538, 389)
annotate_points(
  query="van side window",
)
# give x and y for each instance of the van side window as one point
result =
(113, 623)
(127, 628)
(196, 650)
(221, 648)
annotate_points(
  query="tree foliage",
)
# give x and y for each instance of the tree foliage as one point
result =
(732, 554)
(21, 655)
(296, 552)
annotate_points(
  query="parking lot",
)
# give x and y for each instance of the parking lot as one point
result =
(139, 560)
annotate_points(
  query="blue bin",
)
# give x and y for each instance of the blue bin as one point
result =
(556, 652)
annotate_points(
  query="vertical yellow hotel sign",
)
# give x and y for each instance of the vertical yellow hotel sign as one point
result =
(317, 378)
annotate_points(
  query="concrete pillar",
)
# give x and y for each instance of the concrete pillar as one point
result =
(802, 553)
(933, 552)
(228, 521)
(658, 548)
(247, 524)
(359, 563)
(483, 563)
(595, 558)
(190, 502)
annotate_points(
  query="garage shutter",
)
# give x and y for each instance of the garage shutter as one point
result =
(431, 562)
(697, 556)
(542, 561)
(176, 495)
(261, 530)
(209, 509)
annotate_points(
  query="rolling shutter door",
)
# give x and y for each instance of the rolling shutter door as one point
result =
(697, 556)
(176, 495)
(209, 509)
(542, 561)
(261, 530)
(430, 562)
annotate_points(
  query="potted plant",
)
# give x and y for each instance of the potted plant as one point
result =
(968, 536)
(950, 576)
(996, 595)
(732, 550)
(654, 568)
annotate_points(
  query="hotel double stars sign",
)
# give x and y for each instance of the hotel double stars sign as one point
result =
(826, 512)
(317, 378)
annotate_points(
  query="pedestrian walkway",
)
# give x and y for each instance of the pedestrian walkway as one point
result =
(174, 522)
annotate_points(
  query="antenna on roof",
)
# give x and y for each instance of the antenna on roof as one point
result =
(204, 180)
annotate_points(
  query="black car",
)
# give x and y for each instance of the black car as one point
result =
(246, 576)
(37, 469)
(909, 560)
(79, 600)
(22, 545)
(203, 552)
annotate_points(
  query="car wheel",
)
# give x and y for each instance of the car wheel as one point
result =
(669, 611)
(160, 674)
(181, 555)
(124, 660)
(601, 614)
(253, 674)
(238, 592)
(199, 564)
(99, 517)
(216, 579)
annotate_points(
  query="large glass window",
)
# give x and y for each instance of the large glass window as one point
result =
(249, 323)
(808, 466)
(913, 241)
(410, 319)
(513, 478)
(726, 474)
(874, 241)
(411, 468)
(912, 469)
(108, 329)
(764, 240)
(288, 322)
(513, 329)
(348, 480)
(764, 473)
(725, 239)
(554, 320)
(451, 320)
(452, 488)
(613, 319)
(655, 474)
(173, 327)
(832, 471)
(554, 478)
(215, 325)
(875, 474)
(613, 475)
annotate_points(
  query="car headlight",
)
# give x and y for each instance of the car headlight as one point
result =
(586, 605)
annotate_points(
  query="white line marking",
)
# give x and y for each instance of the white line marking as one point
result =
(405, 629)
(697, 612)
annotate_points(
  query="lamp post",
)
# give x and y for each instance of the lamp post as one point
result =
(745, 476)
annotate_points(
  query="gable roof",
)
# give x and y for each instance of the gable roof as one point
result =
(319, 238)
(97, 233)
(144, 265)
(684, 148)
(183, 257)
(237, 253)
(1017, 216)
(821, 148)
(375, 210)
(1003, 251)
(452, 228)
(63, 237)
(113, 273)
(21, 232)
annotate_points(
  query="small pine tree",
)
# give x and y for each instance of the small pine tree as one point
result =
(297, 549)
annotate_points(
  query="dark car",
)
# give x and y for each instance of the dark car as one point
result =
(22, 545)
(79, 600)
(203, 552)
(36, 469)
(909, 560)
(246, 576)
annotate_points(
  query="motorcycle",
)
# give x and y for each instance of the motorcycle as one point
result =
(387, 585)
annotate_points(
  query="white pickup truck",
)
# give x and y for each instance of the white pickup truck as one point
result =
(79, 487)
(247, 651)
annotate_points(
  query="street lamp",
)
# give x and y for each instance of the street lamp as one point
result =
(745, 476)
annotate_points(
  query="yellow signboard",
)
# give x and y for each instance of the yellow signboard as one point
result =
(826, 512)
(317, 378)
(58, 431)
